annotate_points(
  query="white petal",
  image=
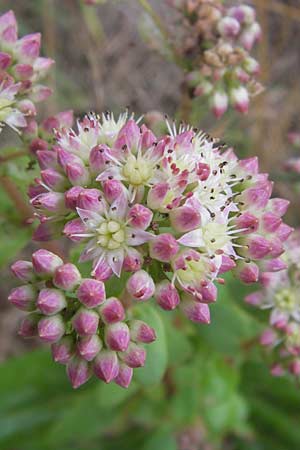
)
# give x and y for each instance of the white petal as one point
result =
(115, 260)
(90, 218)
(192, 239)
(137, 237)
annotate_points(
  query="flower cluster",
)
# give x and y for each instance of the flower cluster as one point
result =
(21, 69)
(280, 295)
(217, 46)
(170, 213)
(88, 332)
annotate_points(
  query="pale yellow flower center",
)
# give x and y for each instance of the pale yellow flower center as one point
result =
(137, 170)
(111, 235)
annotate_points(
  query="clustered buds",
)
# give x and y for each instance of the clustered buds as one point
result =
(22, 69)
(88, 332)
(280, 296)
(217, 48)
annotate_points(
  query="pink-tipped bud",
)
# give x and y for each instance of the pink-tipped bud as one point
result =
(46, 159)
(40, 93)
(163, 247)
(89, 346)
(37, 144)
(91, 199)
(140, 216)
(112, 189)
(117, 336)
(99, 158)
(51, 202)
(51, 329)
(240, 99)
(219, 103)
(51, 301)
(271, 222)
(284, 231)
(78, 371)
(22, 71)
(250, 36)
(226, 265)
(247, 222)
(23, 270)
(46, 231)
(71, 197)
(73, 228)
(124, 376)
(63, 350)
(228, 27)
(185, 218)
(28, 47)
(141, 332)
(257, 247)
(140, 285)
(23, 297)
(255, 298)
(247, 272)
(166, 295)
(208, 292)
(112, 311)
(53, 179)
(102, 271)
(64, 158)
(134, 356)
(45, 263)
(133, 261)
(195, 311)
(106, 365)
(85, 322)
(29, 326)
(67, 277)
(91, 293)
(278, 206)
(268, 338)
(272, 265)
(78, 175)
(5, 60)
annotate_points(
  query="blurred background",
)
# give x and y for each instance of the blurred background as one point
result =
(216, 392)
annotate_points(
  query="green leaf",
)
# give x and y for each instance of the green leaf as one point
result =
(160, 440)
(157, 354)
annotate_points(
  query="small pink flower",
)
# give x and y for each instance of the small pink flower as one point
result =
(51, 301)
(51, 329)
(91, 293)
(106, 365)
(45, 263)
(67, 277)
(78, 371)
(166, 295)
(140, 286)
(63, 350)
(88, 347)
(85, 322)
(117, 336)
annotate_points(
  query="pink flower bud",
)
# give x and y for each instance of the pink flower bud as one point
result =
(41, 66)
(29, 326)
(140, 216)
(27, 108)
(156, 195)
(91, 199)
(112, 189)
(40, 93)
(91, 293)
(166, 295)
(78, 371)
(89, 346)
(129, 135)
(163, 247)
(75, 226)
(46, 159)
(250, 36)
(5, 60)
(133, 261)
(141, 332)
(185, 218)
(268, 338)
(63, 350)
(85, 322)
(23, 297)
(102, 271)
(8, 27)
(140, 286)
(117, 336)
(106, 365)
(64, 158)
(249, 165)
(112, 311)
(134, 356)
(272, 265)
(53, 179)
(46, 231)
(51, 329)
(277, 370)
(71, 197)
(37, 145)
(255, 298)
(51, 202)
(77, 174)
(228, 27)
(247, 272)
(65, 118)
(51, 301)
(67, 277)
(226, 265)
(271, 222)
(99, 157)
(279, 319)
(22, 71)
(257, 247)
(208, 292)
(45, 263)
(23, 270)
(195, 311)
(247, 222)
(29, 46)
(219, 103)
(284, 231)
(240, 99)
(124, 376)
(276, 248)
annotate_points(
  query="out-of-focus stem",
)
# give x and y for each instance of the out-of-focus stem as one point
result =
(185, 104)
(16, 197)
(15, 155)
